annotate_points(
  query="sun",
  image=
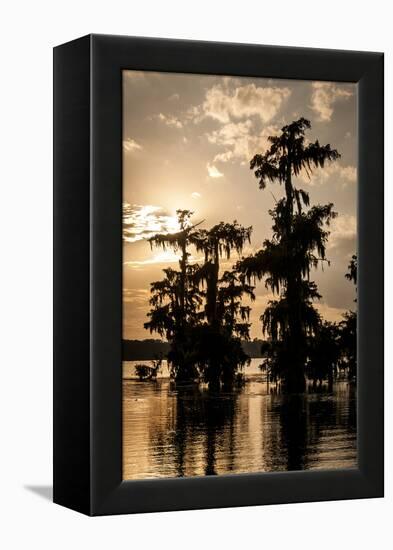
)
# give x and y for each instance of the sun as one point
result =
(143, 221)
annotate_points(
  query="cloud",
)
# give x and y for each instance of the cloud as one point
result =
(343, 232)
(332, 314)
(130, 145)
(348, 173)
(135, 296)
(163, 258)
(240, 141)
(213, 171)
(345, 174)
(194, 114)
(324, 95)
(170, 120)
(143, 221)
(229, 100)
(196, 195)
(174, 97)
(223, 104)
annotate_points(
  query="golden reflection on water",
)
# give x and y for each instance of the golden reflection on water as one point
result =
(171, 432)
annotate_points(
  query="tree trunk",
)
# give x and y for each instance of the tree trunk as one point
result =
(294, 377)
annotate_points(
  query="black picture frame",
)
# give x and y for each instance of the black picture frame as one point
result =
(88, 274)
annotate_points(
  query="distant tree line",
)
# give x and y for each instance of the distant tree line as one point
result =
(199, 309)
(144, 350)
(150, 348)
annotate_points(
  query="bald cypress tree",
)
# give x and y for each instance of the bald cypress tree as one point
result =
(198, 310)
(221, 355)
(348, 328)
(216, 243)
(176, 299)
(298, 244)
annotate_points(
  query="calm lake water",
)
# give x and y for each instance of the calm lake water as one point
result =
(170, 431)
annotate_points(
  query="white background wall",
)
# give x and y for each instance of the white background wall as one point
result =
(29, 30)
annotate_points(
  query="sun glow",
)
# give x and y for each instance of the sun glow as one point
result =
(164, 258)
(143, 221)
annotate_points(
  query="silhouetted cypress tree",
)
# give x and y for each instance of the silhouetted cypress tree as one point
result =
(219, 338)
(348, 328)
(298, 244)
(175, 300)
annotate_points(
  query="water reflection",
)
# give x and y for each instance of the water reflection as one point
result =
(170, 431)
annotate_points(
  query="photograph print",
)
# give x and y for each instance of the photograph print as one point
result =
(239, 275)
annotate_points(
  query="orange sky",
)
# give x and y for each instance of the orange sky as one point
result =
(187, 143)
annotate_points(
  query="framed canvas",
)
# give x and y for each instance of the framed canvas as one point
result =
(218, 275)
